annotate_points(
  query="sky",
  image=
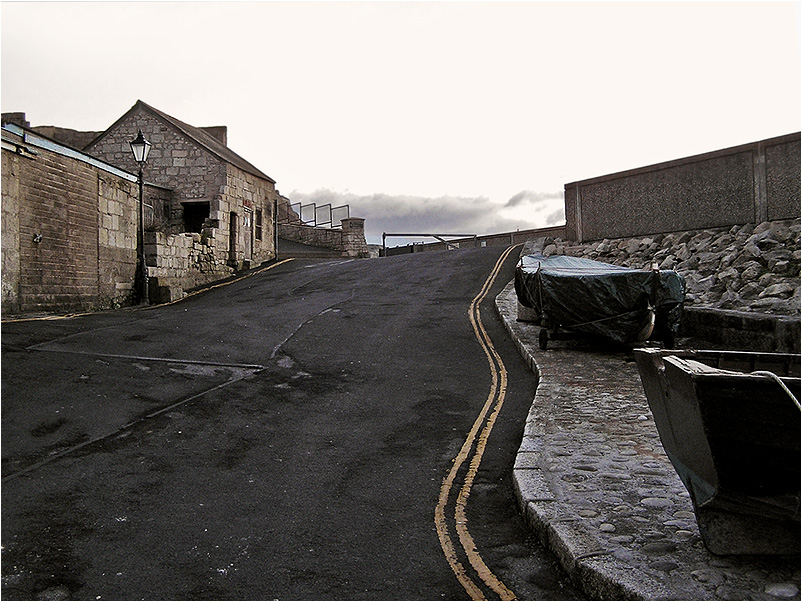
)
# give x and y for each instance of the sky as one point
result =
(424, 117)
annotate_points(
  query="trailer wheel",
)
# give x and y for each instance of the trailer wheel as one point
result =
(543, 339)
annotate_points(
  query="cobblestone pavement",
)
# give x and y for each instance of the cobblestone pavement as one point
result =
(599, 491)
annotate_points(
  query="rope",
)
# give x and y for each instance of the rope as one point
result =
(781, 383)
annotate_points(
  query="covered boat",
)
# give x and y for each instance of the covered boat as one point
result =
(730, 424)
(580, 295)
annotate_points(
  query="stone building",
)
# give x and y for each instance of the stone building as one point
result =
(69, 227)
(216, 193)
(70, 213)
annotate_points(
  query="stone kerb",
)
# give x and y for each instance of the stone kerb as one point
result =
(596, 487)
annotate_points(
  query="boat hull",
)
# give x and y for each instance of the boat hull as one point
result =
(734, 439)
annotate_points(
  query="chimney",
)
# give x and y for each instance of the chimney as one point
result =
(218, 132)
(16, 119)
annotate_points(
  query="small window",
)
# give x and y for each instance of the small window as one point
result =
(258, 224)
(194, 216)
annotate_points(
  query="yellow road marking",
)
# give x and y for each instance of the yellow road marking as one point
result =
(497, 394)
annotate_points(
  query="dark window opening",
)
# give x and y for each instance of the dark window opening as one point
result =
(232, 239)
(258, 224)
(194, 216)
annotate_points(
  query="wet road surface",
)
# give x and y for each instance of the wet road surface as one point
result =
(286, 436)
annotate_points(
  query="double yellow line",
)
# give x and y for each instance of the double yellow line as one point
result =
(475, 442)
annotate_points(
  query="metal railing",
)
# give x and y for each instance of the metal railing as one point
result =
(441, 237)
(311, 214)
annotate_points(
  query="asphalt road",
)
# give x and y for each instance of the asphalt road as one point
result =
(298, 434)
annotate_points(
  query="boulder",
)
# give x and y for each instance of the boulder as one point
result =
(683, 253)
(766, 280)
(750, 290)
(752, 249)
(751, 270)
(781, 289)
(668, 263)
(633, 246)
(708, 263)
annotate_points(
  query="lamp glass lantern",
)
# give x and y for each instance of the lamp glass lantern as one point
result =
(140, 147)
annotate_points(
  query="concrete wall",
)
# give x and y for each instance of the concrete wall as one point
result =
(751, 183)
(488, 240)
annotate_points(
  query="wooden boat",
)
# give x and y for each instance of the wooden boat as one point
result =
(730, 424)
(579, 296)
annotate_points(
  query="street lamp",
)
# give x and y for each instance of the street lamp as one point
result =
(141, 147)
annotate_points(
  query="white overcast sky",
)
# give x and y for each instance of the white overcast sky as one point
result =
(448, 116)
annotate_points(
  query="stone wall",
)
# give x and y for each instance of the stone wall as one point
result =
(117, 219)
(174, 162)
(251, 199)
(354, 243)
(752, 268)
(751, 183)
(74, 138)
(350, 240)
(10, 235)
(484, 240)
(69, 235)
(179, 262)
(198, 177)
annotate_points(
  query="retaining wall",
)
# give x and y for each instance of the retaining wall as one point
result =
(350, 239)
(179, 262)
(751, 183)
(486, 240)
(743, 282)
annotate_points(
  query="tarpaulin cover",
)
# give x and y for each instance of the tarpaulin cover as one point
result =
(599, 298)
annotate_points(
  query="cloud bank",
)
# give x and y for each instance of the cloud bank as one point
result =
(442, 215)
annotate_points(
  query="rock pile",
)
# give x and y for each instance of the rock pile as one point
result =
(746, 268)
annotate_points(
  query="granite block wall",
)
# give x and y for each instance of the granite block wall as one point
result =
(174, 162)
(252, 200)
(179, 262)
(69, 229)
(350, 240)
(197, 176)
(53, 255)
(10, 234)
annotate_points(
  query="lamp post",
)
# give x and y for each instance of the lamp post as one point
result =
(141, 147)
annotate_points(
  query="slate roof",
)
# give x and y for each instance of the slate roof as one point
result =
(202, 138)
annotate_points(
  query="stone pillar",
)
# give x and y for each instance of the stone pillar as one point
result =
(354, 242)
